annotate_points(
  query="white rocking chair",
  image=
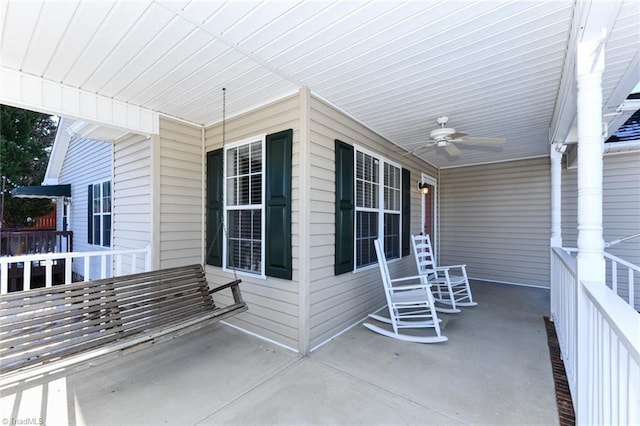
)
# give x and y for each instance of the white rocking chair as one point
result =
(449, 289)
(410, 306)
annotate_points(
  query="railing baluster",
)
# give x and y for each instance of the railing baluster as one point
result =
(632, 300)
(26, 275)
(118, 264)
(4, 278)
(103, 266)
(68, 266)
(86, 268)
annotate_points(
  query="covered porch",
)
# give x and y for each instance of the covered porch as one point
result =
(495, 369)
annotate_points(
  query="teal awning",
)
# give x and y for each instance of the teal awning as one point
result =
(42, 191)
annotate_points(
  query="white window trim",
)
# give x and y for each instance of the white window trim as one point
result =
(93, 195)
(258, 138)
(382, 160)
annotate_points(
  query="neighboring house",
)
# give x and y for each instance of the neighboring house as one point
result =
(87, 165)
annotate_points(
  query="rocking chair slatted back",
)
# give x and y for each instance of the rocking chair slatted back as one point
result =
(410, 306)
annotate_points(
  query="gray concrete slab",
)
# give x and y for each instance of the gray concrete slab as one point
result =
(494, 369)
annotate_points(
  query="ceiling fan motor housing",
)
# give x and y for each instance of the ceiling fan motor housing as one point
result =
(442, 134)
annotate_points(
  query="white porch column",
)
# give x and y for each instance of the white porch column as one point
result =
(556, 194)
(590, 64)
(590, 260)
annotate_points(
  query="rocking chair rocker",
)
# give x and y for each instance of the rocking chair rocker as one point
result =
(410, 306)
(450, 289)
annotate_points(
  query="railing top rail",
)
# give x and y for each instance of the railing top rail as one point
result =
(569, 261)
(622, 262)
(626, 322)
(67, 255)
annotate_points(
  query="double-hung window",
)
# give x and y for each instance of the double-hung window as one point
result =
(99, 220)
(244, 211)
(372, 200)
(249, 206)
(377, 207)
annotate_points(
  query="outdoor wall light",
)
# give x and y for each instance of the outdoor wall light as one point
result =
(423, 187)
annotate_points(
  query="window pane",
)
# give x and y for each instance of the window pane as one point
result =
(243, 190)
(366, 233)
(106, 233)
(392, 235)
(244, 245)
(96, 230)
(256, 157)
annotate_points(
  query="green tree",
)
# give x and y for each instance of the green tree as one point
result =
(26, 138)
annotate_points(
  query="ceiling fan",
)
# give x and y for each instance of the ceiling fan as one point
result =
(447, 137)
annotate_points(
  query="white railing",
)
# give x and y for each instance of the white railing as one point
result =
(563, 310)
(112, 263)
(599, 337)
(615, 265)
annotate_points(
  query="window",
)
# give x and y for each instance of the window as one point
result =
(372, 201)
(376, 180)
(99, 220)
(249, 186)
(244, 208)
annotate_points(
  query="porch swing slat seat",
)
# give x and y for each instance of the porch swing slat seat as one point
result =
(45, 330)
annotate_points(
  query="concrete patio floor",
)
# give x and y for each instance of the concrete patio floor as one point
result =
(494, 369)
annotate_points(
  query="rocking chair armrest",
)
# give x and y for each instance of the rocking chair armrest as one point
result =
(411, 287)
(444, 268)
(413, 277)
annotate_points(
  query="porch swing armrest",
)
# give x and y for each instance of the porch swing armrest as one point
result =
(235, 290)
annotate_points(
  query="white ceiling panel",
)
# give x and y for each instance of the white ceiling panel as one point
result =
(494, 67)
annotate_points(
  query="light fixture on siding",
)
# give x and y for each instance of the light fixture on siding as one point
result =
(423, 187)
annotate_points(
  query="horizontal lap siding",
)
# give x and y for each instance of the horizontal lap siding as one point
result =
(132, 196)
(495, 219)
(338, 302)
(621, 211)
(180, 193)
(86, 162)
(273, 302)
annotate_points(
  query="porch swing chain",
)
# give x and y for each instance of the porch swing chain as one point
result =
(224, 137)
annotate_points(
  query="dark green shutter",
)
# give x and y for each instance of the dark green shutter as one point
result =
(344, 208)
(90, 214)
(278, 205)
(215, 234)
(406, 211)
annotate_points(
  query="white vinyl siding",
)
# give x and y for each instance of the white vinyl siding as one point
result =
(273, 302)
(620, 216)
(495, 218)
(132, 196)
(180, 201)
(340, 301)
(86, 162)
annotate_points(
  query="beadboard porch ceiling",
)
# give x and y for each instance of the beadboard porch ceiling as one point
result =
(496, 68)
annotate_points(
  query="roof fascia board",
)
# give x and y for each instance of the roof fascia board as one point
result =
(58, 152)
(34, 93)
(589, 19)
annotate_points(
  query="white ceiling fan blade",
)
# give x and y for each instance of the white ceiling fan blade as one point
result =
(458, 135)
(482, 141)
(452, 149)
(416, 150)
